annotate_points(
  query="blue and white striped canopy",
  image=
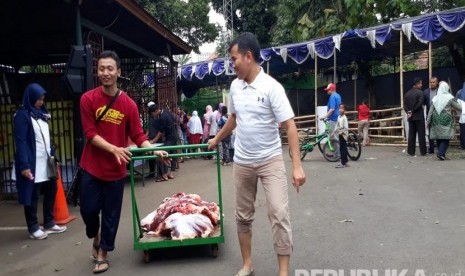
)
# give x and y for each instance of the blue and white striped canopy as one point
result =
(359, 44)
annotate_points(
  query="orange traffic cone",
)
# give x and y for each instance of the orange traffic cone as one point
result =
(61, 207)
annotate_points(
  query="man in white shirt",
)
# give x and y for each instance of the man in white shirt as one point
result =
(428, 96)
(258, 104)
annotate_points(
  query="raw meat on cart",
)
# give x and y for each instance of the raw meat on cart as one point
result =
(182, 216)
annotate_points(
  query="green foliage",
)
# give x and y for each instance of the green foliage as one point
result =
(37, 69)
(255, 16)
(301, 20)
(188, 19)
(204, 97)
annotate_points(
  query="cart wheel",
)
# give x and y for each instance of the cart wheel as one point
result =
(146, 256)
(214, 250)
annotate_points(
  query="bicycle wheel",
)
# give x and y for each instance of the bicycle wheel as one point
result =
(303, 152)
(354, 147)
(328, 154)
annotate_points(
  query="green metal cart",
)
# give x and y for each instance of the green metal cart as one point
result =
(146, 243)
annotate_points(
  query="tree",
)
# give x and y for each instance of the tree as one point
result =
(278, 22)
(252, 16)
(188, 19)
(302, 20)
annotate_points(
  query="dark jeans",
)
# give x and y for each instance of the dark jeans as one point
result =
(443, 144)
(163, 167)
(152, 164)
(462, 136)
(225, 144)
(343, 149)
(416, 127)
(49, 189)
(105, 197)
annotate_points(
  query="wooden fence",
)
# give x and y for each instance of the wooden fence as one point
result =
(386, 126)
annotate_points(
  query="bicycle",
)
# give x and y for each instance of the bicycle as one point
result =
(354, 146)
(308, 142)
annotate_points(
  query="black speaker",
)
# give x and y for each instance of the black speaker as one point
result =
(78, 72)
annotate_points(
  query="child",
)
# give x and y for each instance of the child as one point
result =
(342, 129)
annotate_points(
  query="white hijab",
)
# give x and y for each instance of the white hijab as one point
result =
(194, 124)
(443, 97)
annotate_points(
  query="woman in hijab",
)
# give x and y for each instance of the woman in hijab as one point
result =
(33, 146)
(195, 128)
(440, 119)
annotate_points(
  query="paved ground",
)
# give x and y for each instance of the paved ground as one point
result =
(387, 211)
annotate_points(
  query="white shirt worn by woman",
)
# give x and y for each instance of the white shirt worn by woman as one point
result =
(41, 149)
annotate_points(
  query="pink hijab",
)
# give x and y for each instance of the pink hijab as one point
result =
(206, 122)
(208, 113)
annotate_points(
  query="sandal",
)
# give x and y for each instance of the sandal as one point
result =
(170, 176)
(98, 264)
(244, 272)
(161, 179)
(95, 249)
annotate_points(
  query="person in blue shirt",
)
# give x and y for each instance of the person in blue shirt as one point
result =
(332, 111)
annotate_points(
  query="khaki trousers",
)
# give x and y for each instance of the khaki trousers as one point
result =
(272, 175)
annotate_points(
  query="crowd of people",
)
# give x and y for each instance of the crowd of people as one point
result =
(437, 102)
(247, 133)
(177, 127)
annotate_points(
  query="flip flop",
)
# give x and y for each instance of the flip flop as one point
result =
(97, 268)
(160, 179)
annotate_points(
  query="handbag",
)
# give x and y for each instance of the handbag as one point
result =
(52, 164)
(52, 168)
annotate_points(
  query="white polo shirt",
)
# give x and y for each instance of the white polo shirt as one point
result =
(258, 107)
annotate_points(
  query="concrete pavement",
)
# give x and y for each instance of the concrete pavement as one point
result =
(387, 211)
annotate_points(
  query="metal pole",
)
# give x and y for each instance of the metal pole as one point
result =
(268, 67)
(78, 23)
(401, 75)
(316, 94)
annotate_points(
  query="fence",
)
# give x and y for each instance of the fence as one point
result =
(386, 126)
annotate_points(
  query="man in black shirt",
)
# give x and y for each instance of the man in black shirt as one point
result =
(152, 133)
(165, 126)
(413, 106)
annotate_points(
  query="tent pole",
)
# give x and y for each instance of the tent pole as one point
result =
(401, 75)
(334, 65)
(355, 94)
(316, 94)
(268, 67)
(430, 60)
